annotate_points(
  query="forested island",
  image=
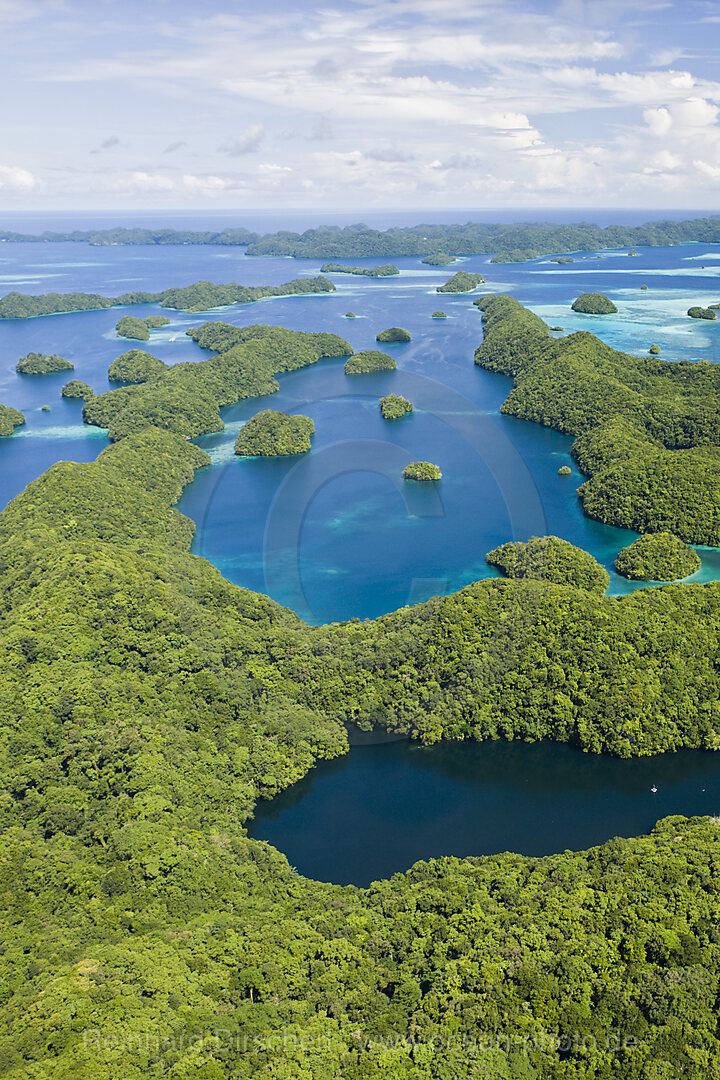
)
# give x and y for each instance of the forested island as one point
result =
(549, 558)
(709, 313)
(186, 398)
(647, 430)
(512, 242)
(150, 703)
(394, 407)
(461, 282)
(440, 259)
(422, 470)
(274, 434)
(594, 304)
(76, 388)
(139, 329)
(202, 296)
(10, 419)
(42, 364)
(657, 557)
(363, 271)
(135, 366)
(393, 334)
(363, 363)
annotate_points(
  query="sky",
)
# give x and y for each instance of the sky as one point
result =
(359, 104)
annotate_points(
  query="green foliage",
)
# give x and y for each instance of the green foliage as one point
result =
(657, 557)
(135, 366)
(439, 315)
(350, 315)
(363, 271)
(649, 429)
(147, 704)
(636, 483)
(702, 313)
(461, 282)
(10, 419)
(154, 322)
(394, 333)
(654, 350)
(439, 259)
(594, 304)
(130, 327)
(563, 260)
(363, 363)
(42, 364)
(274, 434)
(201, 296)
(15, 305)
(186, 398)
(421, 470)
(394, 407)
(204, 295)
(564, 470)
(76, 388)
(548, 558)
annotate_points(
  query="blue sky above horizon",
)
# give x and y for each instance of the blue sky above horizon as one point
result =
(360, 103)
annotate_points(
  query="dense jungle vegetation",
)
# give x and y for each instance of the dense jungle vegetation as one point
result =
(147, 703)
(648, 429)
(202, 296)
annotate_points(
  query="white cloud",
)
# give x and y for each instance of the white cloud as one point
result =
(249, 140)
(14, 179)
(144, 181)
(712, 171)
(207, 185)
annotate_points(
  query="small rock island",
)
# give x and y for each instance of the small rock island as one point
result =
(393, 334)
(394, 407)
(76, 388)
(363, 363)
(702, 313)
(462, 282)
(439, 259)
(421, 470)
(139, 329)
(439, 315)
(275, 434)
(41, 364)
(593, 303)
(660, 556)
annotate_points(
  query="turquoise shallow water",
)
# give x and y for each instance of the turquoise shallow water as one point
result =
(337, 533)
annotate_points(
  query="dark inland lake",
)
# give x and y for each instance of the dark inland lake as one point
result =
(387, 805)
